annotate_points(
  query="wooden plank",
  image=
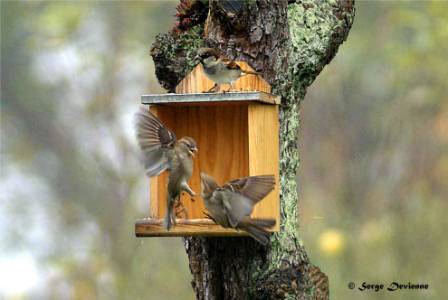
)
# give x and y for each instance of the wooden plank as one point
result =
(208, 98)
(264, 156)
(195, 227)
(184, 227)
(197, 82)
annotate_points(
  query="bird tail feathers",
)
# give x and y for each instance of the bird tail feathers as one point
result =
(247, 72)
(169, 217)
(167, 222)
(263, 222)
(255, 228)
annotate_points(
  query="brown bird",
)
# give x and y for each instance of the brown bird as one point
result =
(232, 204)
(162, 151)
(220, 69)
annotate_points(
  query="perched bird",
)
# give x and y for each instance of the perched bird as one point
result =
(220, 69)
(162, 151)
(232, 204)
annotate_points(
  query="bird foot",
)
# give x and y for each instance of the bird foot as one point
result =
(214, 89)
(208, 216)
(232, 89)
(180, 210)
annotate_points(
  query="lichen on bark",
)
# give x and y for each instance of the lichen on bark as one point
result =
(173, 54)
(316, 29)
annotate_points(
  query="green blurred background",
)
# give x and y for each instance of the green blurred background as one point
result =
(374, 143)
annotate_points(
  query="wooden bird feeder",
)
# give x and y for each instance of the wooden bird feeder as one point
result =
(237, 135)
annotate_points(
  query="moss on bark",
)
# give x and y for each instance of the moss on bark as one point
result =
(173, 54)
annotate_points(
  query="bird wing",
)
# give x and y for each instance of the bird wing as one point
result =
(155, 140)
(240, 195)
(230, 64)
(254, 188)
(236, 206)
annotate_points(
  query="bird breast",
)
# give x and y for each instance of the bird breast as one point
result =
(219, 73)
(217, 211)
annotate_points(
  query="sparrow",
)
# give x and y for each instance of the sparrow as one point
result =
(162, 151)
(231, 205)
(220, 69)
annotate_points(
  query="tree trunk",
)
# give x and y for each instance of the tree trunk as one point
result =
(289, 42)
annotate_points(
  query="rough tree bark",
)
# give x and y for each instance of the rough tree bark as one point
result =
(289, 42)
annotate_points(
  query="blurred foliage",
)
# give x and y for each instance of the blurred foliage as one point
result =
(72, 76)
(374, 169)
(374, 151)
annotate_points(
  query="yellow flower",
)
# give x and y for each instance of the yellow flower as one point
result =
(331, 242)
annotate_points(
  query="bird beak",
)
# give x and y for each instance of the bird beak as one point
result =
(193, 151)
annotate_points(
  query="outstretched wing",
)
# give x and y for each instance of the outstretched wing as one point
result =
(155, 141)
(254, 188)
(240, 195)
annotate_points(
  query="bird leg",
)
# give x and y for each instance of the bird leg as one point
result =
(180, 208)
(231, 88)
(208, 216)
(173, 214)
(187, 188)
(214, 88)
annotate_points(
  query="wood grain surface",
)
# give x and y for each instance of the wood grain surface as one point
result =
(184, 227)
(197, 82)
(263, 139)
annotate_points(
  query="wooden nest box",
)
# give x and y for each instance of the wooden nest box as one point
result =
(237, 135)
